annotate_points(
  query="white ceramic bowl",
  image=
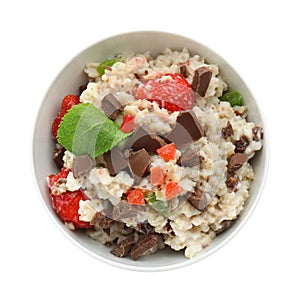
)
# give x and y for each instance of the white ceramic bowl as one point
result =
(68, 81)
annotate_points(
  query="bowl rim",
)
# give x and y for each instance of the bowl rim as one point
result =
(185, 262)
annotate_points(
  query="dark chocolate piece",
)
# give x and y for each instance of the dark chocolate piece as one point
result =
(101, 221)
(111, 106)
(184, 71)
(57, 156)
(198, 200)
(142, 138)
(82, 164)
(189, 158)
(123, 247)
(115, 161)
(236, 161)
(201, 80)
(241, 144)
(144, 245)
(227, 131)
(125, 210)
(186, 130)
(139, 163)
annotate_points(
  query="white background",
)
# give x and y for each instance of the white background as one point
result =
(260, 39)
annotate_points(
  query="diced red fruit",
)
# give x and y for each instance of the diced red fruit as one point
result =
(136, 197)
(54, 178)
(68, 102)
(157, 175)
(127, 123)
(167, 152)
(172, 190)
(173, 93)
(66, 206)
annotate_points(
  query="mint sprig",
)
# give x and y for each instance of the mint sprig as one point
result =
(158, 205)
(84, 129)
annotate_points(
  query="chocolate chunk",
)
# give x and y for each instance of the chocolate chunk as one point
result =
(101, 221)
(231, 182)
(198, 200)
(224, 226)
(147, 244)
(184, 71)
(125, 210)
(186, 130)
(123, 247)
(82, 164)
(115, 161)
(139, 163)
(201, 80)
(57, 156)
(189, 158)
(111, 106)
(236, 161)
(142, 138)
(241, 144)
(227, 131)
(257, 133)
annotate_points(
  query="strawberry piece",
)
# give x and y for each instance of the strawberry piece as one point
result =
(66, 206)
(157, 175)
(167, 152)
(127, 123)
(68, 102)
(54, 178)
(136, 197)
(172, 92)
(172, 190)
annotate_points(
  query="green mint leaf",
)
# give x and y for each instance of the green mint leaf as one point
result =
(108, 62)
(233, 97)
(158, 205)
(84, 129)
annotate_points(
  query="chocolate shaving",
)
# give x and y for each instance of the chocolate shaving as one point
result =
(241, 145)
(144, 245)
(257, 133)
(227, 131)
(111, 106)
(101, 221)
(201, 80)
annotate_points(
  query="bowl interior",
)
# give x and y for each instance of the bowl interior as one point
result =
(68, 81)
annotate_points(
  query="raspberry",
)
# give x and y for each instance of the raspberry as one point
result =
(66, 206)
(68, 102)
(172, 92)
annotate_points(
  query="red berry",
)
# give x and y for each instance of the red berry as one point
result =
(66, 206)
(173, 93)
(127, 123)
(68, 102)
(54, 178)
